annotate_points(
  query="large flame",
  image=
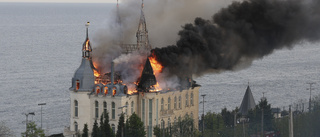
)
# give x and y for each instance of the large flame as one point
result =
(157, 69)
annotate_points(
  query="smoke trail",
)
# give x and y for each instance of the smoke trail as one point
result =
(164, 19)
(240, 33)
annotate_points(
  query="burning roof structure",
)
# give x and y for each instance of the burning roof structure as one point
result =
(147, 79)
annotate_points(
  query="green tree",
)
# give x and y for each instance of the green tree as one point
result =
(107, 130)
(255, 116)
(33, 131)
(121, 128)
(135, 127)
(95, 129)
(102, 128)
(184, 127)
(85, 131)
(4, 130)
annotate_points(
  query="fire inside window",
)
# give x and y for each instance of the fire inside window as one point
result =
(105, 91)
(97, 90)
(77, 85)
(114, 91)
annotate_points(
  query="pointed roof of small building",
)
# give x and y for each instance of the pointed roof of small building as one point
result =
(147, 79)
(247, 102)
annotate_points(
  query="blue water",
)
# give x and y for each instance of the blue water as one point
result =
(41, 49)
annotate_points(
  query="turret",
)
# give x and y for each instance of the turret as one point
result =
(142, 33)
(86, 47)
(83, 79)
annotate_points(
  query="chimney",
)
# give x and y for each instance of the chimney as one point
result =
(112, 74)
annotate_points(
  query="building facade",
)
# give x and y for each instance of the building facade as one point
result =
(89, 99)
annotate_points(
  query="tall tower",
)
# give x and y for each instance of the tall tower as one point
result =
(119, 26)
(82, 85)
(83, 79)
(142, 33)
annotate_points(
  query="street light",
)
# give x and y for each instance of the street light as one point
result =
(27, 114)
(203, 95)
(41, 104)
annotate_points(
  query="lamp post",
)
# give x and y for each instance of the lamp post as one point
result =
(203, 95)
(41, 104)
(27, 114)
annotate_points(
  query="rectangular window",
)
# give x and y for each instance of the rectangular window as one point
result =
(96, 109)
(150, 118)
(132, 107)
(76, 108)
(105, 107)
(113, 110)
(143, 110)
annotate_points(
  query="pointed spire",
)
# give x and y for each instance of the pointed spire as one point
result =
(247, 102)
(142, 5)
(147, 79)
(86, 47)
(119, 40)
(142, 33)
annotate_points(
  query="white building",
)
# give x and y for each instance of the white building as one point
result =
(89, 98)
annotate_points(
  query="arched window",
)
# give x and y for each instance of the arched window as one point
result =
(105, 107)
(169, 103)
(187, 100)
(97, 90)
(175, 103)
(77, 84)
(162, 103)
(75, 126)
(105, 90)
(75, 108)
(127, 105)
(175, 121)
(191, 99)
(191, 115)
(162, 124)
(113, 110)
(169, 123)
(113, 128)
(179, 102)
(96, 109)
(132, 107)
(114, 91)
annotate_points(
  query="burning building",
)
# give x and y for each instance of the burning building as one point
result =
(93, 94)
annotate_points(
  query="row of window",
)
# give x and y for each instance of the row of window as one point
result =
(76, 127)
(174, 122)
(179, 102)
(113, 108)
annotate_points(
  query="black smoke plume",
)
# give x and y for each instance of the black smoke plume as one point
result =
(240, 33)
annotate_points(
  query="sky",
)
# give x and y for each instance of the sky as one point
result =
(63, 1)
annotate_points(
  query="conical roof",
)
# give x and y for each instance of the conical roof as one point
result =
(247, 102)
(147, 78)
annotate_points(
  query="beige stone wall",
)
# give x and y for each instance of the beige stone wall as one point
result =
(168, 113)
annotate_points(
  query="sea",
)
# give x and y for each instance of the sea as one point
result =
(41, 49)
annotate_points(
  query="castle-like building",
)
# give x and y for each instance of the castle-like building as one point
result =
(91, 96)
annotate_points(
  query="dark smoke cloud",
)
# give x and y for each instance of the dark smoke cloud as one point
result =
(240, 33)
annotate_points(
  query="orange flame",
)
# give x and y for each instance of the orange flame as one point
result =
(157, 69)
(87, 45)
